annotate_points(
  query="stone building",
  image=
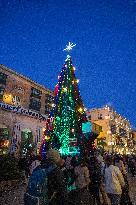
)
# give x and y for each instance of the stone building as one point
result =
(24, 108)
(115, 129)
(133, 137)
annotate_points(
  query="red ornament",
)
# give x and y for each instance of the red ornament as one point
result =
(56, 90)
(73, 144)
(72, 130)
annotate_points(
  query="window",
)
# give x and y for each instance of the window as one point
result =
(1, 92)
(48, 103)
(100, 116)
(47, 109)
(89, 117)
(122, 132)
(3, 78)
(35, 104)
(36, 93)
(97, 128)
(4, 140)
(113, 129)
(49, 98)
(4, 134)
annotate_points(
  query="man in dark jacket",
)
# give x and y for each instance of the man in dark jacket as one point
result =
(57, 191)
(96, 178)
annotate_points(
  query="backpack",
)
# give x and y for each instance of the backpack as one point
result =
(37, 189)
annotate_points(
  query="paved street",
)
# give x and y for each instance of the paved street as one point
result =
(15, 197)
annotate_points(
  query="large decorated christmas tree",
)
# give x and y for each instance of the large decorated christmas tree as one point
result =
(64, 126)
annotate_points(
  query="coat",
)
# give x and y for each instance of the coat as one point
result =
(114, 180)
(82, 177)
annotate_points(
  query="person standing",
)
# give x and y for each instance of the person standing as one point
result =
(36, 162)
(82, 182)
(119, 163)
(95, 169)
(47, 184)
(133, 166)
(57, 191)
(114, 181)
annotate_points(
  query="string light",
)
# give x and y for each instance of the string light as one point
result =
(53, 105)
(68, 111)
(80, 110)
(65, 89)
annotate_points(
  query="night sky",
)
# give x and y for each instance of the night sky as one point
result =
(33, 34)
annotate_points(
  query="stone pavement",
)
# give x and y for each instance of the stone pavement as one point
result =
(15, 196)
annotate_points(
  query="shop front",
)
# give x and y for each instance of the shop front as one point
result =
(4, 139)
(21, 130)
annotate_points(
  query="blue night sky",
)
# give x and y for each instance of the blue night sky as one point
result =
(33, 34)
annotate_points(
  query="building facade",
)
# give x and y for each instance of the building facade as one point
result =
(115, 129)
(133, 136)
(24, 108)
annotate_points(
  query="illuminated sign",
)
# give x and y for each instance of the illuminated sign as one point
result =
(21, 110)
(86, 127)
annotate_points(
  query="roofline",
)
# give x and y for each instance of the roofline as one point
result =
(25, 78)
(93, 109)
(102, 108)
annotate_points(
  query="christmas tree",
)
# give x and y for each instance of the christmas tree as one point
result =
(64, 125)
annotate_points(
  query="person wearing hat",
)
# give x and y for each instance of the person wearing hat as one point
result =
(56, 181)
(82, 182)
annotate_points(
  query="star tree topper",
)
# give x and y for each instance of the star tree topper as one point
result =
(69, 47)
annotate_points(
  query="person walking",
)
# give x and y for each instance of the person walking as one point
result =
(82, 181)
(46, 185)
(36, 192)
(95, 169)
(114, 182)
(125, 198)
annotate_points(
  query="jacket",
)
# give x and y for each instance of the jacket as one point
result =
(82, 177)
(57, 188)
(114, 180)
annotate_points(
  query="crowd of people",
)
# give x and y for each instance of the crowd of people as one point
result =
(93, 180)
